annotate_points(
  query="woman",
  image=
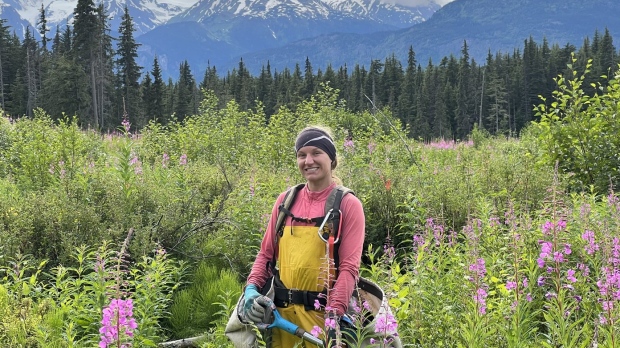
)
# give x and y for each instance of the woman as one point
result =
(301, 252)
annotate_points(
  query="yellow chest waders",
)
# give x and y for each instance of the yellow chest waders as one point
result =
(302, 266)
(306, 263)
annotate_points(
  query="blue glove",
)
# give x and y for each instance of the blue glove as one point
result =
(252, 310)
(250, 294)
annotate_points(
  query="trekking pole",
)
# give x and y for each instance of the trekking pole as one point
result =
(285, 325)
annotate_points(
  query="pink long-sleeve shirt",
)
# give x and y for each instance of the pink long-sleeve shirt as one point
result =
(312, 204)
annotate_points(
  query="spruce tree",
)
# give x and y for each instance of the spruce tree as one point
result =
(65, 89)
(31, 71)
(42, 26)
(85, 41)
(309, 87)
(4, 50)
(104, 66)
(156, 107)
(128, 71)
(185, 93)
(406, 103)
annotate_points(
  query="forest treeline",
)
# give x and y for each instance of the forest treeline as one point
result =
(82, 70)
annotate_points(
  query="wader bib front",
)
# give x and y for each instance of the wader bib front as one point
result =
(302, 266)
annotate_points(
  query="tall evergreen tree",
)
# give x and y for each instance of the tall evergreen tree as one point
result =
(265, 90)
(65, 89)
(406, 102)
(241, 86)
(309, 85)
(31, 72)
(185, 92)
(66, 41)
(465, 114)
(607, 55)
(104, 65)
(391, 82)
(128, 71)
(4, 51)
(42, 26)
(85, 40)
(372, 84)
(155, 110)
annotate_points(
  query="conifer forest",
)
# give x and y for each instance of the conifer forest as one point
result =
(83, 71)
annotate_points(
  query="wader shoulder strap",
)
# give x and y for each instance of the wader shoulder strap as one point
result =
(284, 208)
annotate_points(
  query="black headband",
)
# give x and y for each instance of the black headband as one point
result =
(318, 138)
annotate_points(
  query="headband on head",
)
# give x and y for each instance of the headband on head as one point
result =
(318, 138)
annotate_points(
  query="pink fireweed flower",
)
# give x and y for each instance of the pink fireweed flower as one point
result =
(165, 159)
(585, 270)
(348, 145)
(494, 221)
(478, 268)
(330, 323)
(389, 253)
(558, 257)
(126, 124)
(525, 283)
(570, 276)
(511, 285)
(317, 305)
(592, 246)
(316, 331)
(366, 305)
(561, 225)
(418, 240)
(540, 281)
(547, 227)
(386, 324)
(481, 298)
(615, 252)
(117, 324)
(183, 160)
(546, 249)
(567, 249)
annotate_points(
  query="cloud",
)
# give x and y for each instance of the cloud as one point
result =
(414, 3)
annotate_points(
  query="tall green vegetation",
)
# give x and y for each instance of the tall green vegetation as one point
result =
(492, 242)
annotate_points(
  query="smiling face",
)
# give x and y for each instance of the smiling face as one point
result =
(316, 166)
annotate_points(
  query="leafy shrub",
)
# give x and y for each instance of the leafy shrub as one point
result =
(580, 131)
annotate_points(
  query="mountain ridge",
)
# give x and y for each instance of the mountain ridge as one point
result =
(486, 25)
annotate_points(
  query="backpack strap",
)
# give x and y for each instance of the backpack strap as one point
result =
(334, 223)
(284, 209)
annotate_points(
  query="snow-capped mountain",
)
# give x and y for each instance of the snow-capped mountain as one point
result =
(212, 32)
(147, 14)
(215, 31)
(370, 10)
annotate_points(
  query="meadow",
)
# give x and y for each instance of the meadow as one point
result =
(137, 238)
